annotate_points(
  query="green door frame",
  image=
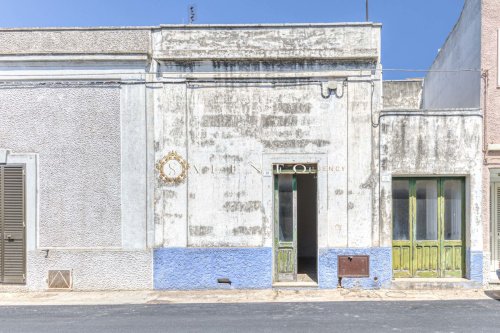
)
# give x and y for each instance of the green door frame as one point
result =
(285, 251)
(430, 258)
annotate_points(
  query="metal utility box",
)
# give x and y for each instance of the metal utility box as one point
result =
(353, 266)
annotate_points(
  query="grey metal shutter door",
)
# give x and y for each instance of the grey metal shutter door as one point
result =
(497, 220)
(13, 224)
(1, 224)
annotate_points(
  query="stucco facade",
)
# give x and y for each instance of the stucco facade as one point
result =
(92, 113)
(86, 188)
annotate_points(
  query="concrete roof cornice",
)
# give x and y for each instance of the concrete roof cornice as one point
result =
(199, 26)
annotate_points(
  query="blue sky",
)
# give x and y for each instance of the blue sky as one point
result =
(413, 30)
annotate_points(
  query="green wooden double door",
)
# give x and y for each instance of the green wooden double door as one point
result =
(428, 227)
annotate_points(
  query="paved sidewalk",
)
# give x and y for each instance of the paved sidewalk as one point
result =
(236, 296)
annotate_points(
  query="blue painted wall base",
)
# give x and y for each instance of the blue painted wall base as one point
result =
(199, 268)
(474, 265)
(252, 268)
(380, 268)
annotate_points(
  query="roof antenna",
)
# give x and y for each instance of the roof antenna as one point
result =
(192, 13)
(367, 16)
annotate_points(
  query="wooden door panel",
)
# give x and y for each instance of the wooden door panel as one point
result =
(401, 258)
(425, 259)
(452, 263)
(286, 264)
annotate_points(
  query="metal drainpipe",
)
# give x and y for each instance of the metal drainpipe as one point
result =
(485, 77)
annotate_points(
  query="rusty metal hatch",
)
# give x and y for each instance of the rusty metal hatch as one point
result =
(353, 266)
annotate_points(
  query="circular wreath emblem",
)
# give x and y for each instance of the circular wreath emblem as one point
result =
(173, 168)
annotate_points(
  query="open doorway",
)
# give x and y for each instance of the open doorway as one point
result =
(296, 245)
(307, 234)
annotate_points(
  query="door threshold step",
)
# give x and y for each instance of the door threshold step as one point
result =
(434, 283)
(294, 285)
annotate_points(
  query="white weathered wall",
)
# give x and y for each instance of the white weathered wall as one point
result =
(433, 143)
(447, 85)
(278, 41)
(402, 94)
(237, 127)
(230, 128)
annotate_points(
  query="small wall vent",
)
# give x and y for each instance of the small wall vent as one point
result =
(60, 279)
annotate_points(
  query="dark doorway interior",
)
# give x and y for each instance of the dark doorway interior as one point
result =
(307, 234)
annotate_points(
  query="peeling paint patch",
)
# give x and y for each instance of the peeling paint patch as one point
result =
(239, 194)
(370, 183)
(292, 108)
(294, 143)
(226, 120)
(200, 230)
(177, 216)
(235, 158)
(241, 230)
(339, 192)
(238, 206)
(169, 194)
(274, 121)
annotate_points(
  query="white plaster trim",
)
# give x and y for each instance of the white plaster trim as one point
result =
(49, 74)
(4, 153)
(133, 166)
(498, 57)
(76, 57)
(269, 25)
(265, 75)
(275, 55)
(494, 147)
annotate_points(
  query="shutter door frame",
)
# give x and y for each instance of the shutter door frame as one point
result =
(496, 229)
(13, 224)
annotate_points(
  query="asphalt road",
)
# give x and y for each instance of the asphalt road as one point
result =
(375, 316)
